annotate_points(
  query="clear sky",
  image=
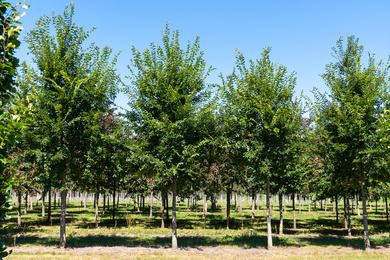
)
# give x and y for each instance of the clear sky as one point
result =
(301, 33)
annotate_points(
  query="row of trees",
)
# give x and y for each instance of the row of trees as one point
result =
(182, 135)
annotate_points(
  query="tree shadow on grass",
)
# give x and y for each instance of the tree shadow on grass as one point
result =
(197, 241)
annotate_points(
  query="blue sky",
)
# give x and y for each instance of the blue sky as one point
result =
(301, 33)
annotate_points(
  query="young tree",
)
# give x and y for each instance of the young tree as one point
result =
(68, 85)
(168, 88)
(351, 115)
(260, 99)
(10, 124)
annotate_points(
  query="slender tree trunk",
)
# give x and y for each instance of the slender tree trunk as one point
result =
(253, 205)
(325, 206)
(104, 203)
(19, 209)
(300, 202)
(117, 201)
(174, 224)
(345, 213)
(62, 220)
(151, 205)
(235, 202)
(25, 203)
(337, 208)
(285, 202)
(349, 218)
(167, 206)
(113, 204)
(43, 203)
(55, 199)
(108, 202)
(97, 210)
(85, 200)
(357, 204)
(228, 208)
(269, 228)
(32, 201)
(387, 211)
(49, 206)
(162, 209)
(204, 206)
(309, 203)
(281, 214)
(294, 217)
(258, 201)
(365, 221)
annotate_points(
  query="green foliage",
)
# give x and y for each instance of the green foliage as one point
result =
(264, 118)
(10, 124)
(69, 86)
(168, 89)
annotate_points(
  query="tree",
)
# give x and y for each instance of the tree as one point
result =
(168, 88)
(259, 98)
(69, 85)
(351, 117)
(10, 124)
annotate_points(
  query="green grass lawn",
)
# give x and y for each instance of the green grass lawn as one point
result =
(130, 226)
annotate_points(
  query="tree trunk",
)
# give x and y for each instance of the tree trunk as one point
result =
(97, 210)
(269, 228)
(349, 218)
(151, 205)
(294, 217)
(204, 206)
(25, 203)
(357, 204)
(49, 206)
(258, 201)
(55, 199)
(300, 202)
(162, 209)
(253, 205)
(85, 200)
(345, 213)
(167, 206)
(325, 206)
(228, 208)
(62, 219)
(365, 221)
(387, 210)
(43, 203)
(337, 208)
(281, 214)
(19, 209)
(235, 202)
(104, 203)
(309, 204)
(174, 224)
(113, 204)
(32, 201)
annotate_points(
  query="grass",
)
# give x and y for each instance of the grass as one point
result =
(134, 229)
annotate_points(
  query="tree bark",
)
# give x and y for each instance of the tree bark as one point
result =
(365, 221)
(349, 218)
(43, 203)
(269, 228)
(19, 209)
(345, 213)
(357, 204)
(113, 204)
(228, 208)
(49, 206)
(294, 217)
(162, 209)
(62, 219)
(151, 205)
(174, 224)
(97, 210)
(167, 206)
(55, 199)
(253, 205)
(387, 211)
(337, 208)
(281, 214)
(85, 200)
(204, 206)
